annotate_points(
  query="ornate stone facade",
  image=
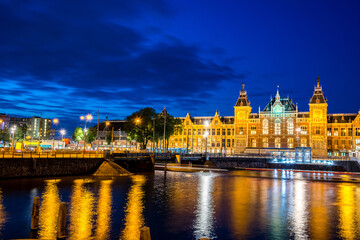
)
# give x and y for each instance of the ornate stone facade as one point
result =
(279, 125)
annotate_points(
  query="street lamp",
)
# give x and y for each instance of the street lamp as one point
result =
(206, 134)
(87, 118)
(297, 135)
(55, 122)
(13, 137)
(62, 133)
(137, 122)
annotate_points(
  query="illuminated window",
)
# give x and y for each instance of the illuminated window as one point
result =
(350, 132)
(290, 126)
(336, 132)
(329, 132)
(303, 142)
(277, 126)
(227, 142)
(216, 122)
(357, 141)
(253, 142)
(241, 130)
(194, 132)
(357, 132)
(303, 130)
(265, 126)
(265, 142)
(290, 142)
(277, 142)
(253, 130)
(189, 131)
(342, 132)
(317, 130)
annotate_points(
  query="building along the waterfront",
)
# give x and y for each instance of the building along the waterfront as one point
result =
(278, 125)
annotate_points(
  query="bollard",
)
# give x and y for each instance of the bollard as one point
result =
(35, 213)
(165, 168)
(61, 226)
(178, 159)
(145, 233)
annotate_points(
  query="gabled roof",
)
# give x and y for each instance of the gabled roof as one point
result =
(341, 118)
(318, 95)
(243, 99)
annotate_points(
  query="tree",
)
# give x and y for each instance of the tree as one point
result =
(91, 134)
(20, 132)
(4, 136)
(78, 134)
(139, 126)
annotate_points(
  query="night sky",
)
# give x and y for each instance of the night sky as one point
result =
(68, 58)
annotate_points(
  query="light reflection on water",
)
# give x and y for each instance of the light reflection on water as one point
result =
(134, 218)
(49, 210)
(103, 221)
(205, 210)
(233, 205)
(81, 210)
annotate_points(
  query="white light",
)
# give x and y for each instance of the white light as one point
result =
(206, 124)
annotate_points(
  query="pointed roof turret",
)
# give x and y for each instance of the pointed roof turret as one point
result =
(243, 99)
(277, 97)
(318, 95)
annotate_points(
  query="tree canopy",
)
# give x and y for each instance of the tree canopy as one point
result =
(78, 134)
(91, 134)
(140, 125)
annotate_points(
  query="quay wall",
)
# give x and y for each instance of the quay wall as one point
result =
(241, 162)
(47, 167)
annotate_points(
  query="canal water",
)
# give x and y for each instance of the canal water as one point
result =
(229, 205)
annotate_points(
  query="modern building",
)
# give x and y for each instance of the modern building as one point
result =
(279, 125)
(42, 125)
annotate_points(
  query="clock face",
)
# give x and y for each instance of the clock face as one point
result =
(277, 109)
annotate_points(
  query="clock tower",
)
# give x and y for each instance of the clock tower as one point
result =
(318, 122)
(241, 121)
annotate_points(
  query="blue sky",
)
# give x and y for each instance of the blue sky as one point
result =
(68, 58)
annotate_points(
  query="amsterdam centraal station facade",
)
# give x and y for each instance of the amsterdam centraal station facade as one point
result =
(279, 126)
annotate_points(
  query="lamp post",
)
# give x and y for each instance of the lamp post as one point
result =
(87, 118)
(55, 122)
(297, 135)
(62, 133)
(137, 122)
(13, 137)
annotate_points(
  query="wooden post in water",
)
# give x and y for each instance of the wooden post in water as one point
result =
(61, 225)
(145, 233)
(35, 214)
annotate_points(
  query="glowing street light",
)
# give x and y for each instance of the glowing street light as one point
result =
(62, 133)
(297, 135)
(137, 120)
(13, 137)
(206, 134)
(87, 118)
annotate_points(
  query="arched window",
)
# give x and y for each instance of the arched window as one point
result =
(290, 126)
(277, 126)
(265, 126)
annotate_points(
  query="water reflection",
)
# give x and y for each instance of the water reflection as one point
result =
(205, 210)
(103, 222)
(319, 211)
(300, 214)
(134, 218)
(347, 203)
(2, 212)
(49, 210)
(81, 210)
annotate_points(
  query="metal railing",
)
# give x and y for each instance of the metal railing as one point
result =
(51, 155)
